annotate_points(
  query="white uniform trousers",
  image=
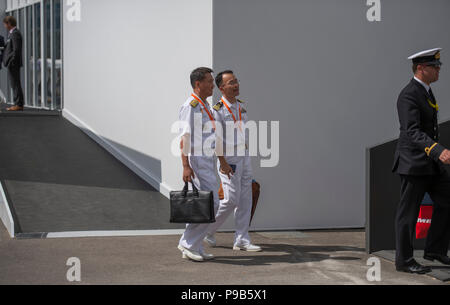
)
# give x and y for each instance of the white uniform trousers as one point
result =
(237, 198)
(205, 180)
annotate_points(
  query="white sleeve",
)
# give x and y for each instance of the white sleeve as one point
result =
(187, 119)
(219, 133)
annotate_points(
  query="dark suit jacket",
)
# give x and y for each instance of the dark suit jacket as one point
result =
(418, 148)
(12, 56)
(2, 45)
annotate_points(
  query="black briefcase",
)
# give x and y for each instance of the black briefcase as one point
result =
(192, 206)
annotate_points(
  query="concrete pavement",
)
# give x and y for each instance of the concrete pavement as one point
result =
(288, 258)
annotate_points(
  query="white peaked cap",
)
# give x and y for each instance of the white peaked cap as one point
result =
(431, 52)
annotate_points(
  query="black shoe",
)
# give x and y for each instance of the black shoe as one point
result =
(414, 267)
(443, 259)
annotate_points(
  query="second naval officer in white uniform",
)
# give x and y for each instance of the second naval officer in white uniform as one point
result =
(235, 169)
(197, 145)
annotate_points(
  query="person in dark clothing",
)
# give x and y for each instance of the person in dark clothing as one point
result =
(12, 60)
(420, 160)
(2, 48)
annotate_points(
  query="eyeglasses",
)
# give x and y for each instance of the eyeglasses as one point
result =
(233, 82)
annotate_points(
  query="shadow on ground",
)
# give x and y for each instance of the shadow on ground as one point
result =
(294, 254)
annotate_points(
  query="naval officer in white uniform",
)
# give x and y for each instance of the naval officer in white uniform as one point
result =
(198, 163)
(235, 169)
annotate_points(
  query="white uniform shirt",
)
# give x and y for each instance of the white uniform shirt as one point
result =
(238, 142)
(197, 123)
(423, 84)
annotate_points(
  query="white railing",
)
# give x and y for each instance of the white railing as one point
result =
(12, 5)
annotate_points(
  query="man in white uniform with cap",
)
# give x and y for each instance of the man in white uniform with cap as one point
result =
(235, 169)
(197, 145)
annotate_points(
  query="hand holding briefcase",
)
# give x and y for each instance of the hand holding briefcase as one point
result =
(192, 206)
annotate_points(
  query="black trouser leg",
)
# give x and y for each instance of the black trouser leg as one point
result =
(14, 76)
(438, 239)
(413, 190)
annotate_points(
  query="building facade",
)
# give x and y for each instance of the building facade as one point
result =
(41, 25)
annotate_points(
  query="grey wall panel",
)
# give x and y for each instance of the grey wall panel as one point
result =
(332, 79)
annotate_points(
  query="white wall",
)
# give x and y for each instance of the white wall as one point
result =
(126, 74)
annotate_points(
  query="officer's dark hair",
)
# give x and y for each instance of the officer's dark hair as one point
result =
(199, 74)
(10, 20)
(219, 77)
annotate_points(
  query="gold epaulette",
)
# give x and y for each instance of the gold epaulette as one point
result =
(218, 106)
(240, 101)
(194, 103)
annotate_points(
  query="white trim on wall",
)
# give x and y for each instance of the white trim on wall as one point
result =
(118, 154)
(5, 213)
(90, 234)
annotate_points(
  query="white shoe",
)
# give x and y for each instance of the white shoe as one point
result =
(189, 254)
(206, 256)
(183, 255)
(248, 248)
(210, 240)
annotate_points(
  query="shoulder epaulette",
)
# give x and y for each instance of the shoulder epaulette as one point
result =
(218, 106)
(194, 103)
(240, 101)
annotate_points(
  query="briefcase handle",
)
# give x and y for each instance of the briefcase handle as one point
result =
(194, 189)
